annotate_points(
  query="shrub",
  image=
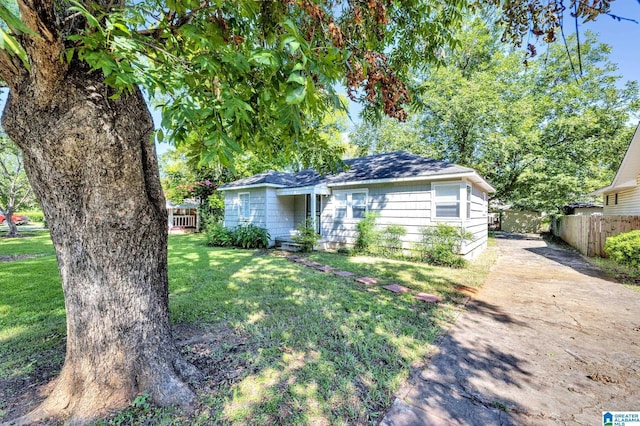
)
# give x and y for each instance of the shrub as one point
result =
(33, 215)
(391, 240)
(367, 237)
(251, 236)
(345, 251)
(624, 248)
(307, 235)
(218, 235)
(441, 244)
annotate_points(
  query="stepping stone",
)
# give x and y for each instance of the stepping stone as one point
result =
(300, 260)
(293, 258)
(366, 280)
(343, 274)
(396, 288)
(428, 298)
(325, 268)
(313, 264)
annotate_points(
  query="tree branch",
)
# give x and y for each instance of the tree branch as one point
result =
(44, 51)
(11, 70)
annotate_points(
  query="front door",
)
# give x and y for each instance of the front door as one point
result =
(317, 212)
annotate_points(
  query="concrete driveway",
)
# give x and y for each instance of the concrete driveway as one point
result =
(549, 339)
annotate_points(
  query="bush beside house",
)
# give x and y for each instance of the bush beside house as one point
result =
(440, 245)
(624, 248)
(247, 236)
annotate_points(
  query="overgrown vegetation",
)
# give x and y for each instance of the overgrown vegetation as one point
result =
(367, 236)
(391, 240)
(439, 245)
(278, 342)
(624, 248)
(307, 235)
(218, 236)
(247, 236)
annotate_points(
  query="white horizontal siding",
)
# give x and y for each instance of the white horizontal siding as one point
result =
(279, 214)
(258, 207)
(300, 209)
(478, 228)
(408, 205)
(628, 202)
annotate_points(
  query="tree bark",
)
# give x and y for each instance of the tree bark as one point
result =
(8, 217)
(94, 171)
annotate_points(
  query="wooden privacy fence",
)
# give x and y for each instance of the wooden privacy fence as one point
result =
(589, 233)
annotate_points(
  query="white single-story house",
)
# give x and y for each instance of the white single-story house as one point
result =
(184, 216)
(622, 197)
(403, 189)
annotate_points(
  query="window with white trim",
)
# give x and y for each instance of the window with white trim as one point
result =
(244, 206)
(469, 191)
(358, 204)
(350, 204)
(447, 201)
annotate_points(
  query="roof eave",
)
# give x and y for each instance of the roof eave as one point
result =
(320, 189)
(476, 178)
(251, 186)
(614, 188)
(632, 152)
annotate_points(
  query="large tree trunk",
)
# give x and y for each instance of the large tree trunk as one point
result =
(94, 171)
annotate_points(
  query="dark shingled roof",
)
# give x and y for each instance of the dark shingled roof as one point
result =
(382, 166)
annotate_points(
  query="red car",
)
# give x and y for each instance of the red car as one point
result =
(17, 219)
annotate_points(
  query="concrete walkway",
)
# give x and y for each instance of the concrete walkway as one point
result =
(548, 340)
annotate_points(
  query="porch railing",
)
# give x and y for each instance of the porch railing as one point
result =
(184, 221)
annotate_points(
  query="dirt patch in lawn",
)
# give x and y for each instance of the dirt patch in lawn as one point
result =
(20, 235)
(214, 350)
(16, 257)
(21, 393)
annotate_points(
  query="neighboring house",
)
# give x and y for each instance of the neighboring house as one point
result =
(403, 189)
(582, 209)
(622, 197)
(183, 217)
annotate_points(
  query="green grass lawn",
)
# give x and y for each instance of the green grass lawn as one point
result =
(279, 343)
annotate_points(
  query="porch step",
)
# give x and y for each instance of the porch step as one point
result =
(290, 246)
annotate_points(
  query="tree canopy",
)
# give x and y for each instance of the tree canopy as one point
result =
(542, 134)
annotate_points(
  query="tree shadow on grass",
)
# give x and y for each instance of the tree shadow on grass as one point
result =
(284, 344)
(315, 348)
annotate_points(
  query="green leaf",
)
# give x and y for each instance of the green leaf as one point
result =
(296, 78)
(231, 144)
(296, 96)
(79, 7)
(262, 58)
(10, 44)
(15, 23)
(69, 54)
(294, 45)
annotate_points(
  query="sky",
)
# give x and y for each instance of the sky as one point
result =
(623, 36)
